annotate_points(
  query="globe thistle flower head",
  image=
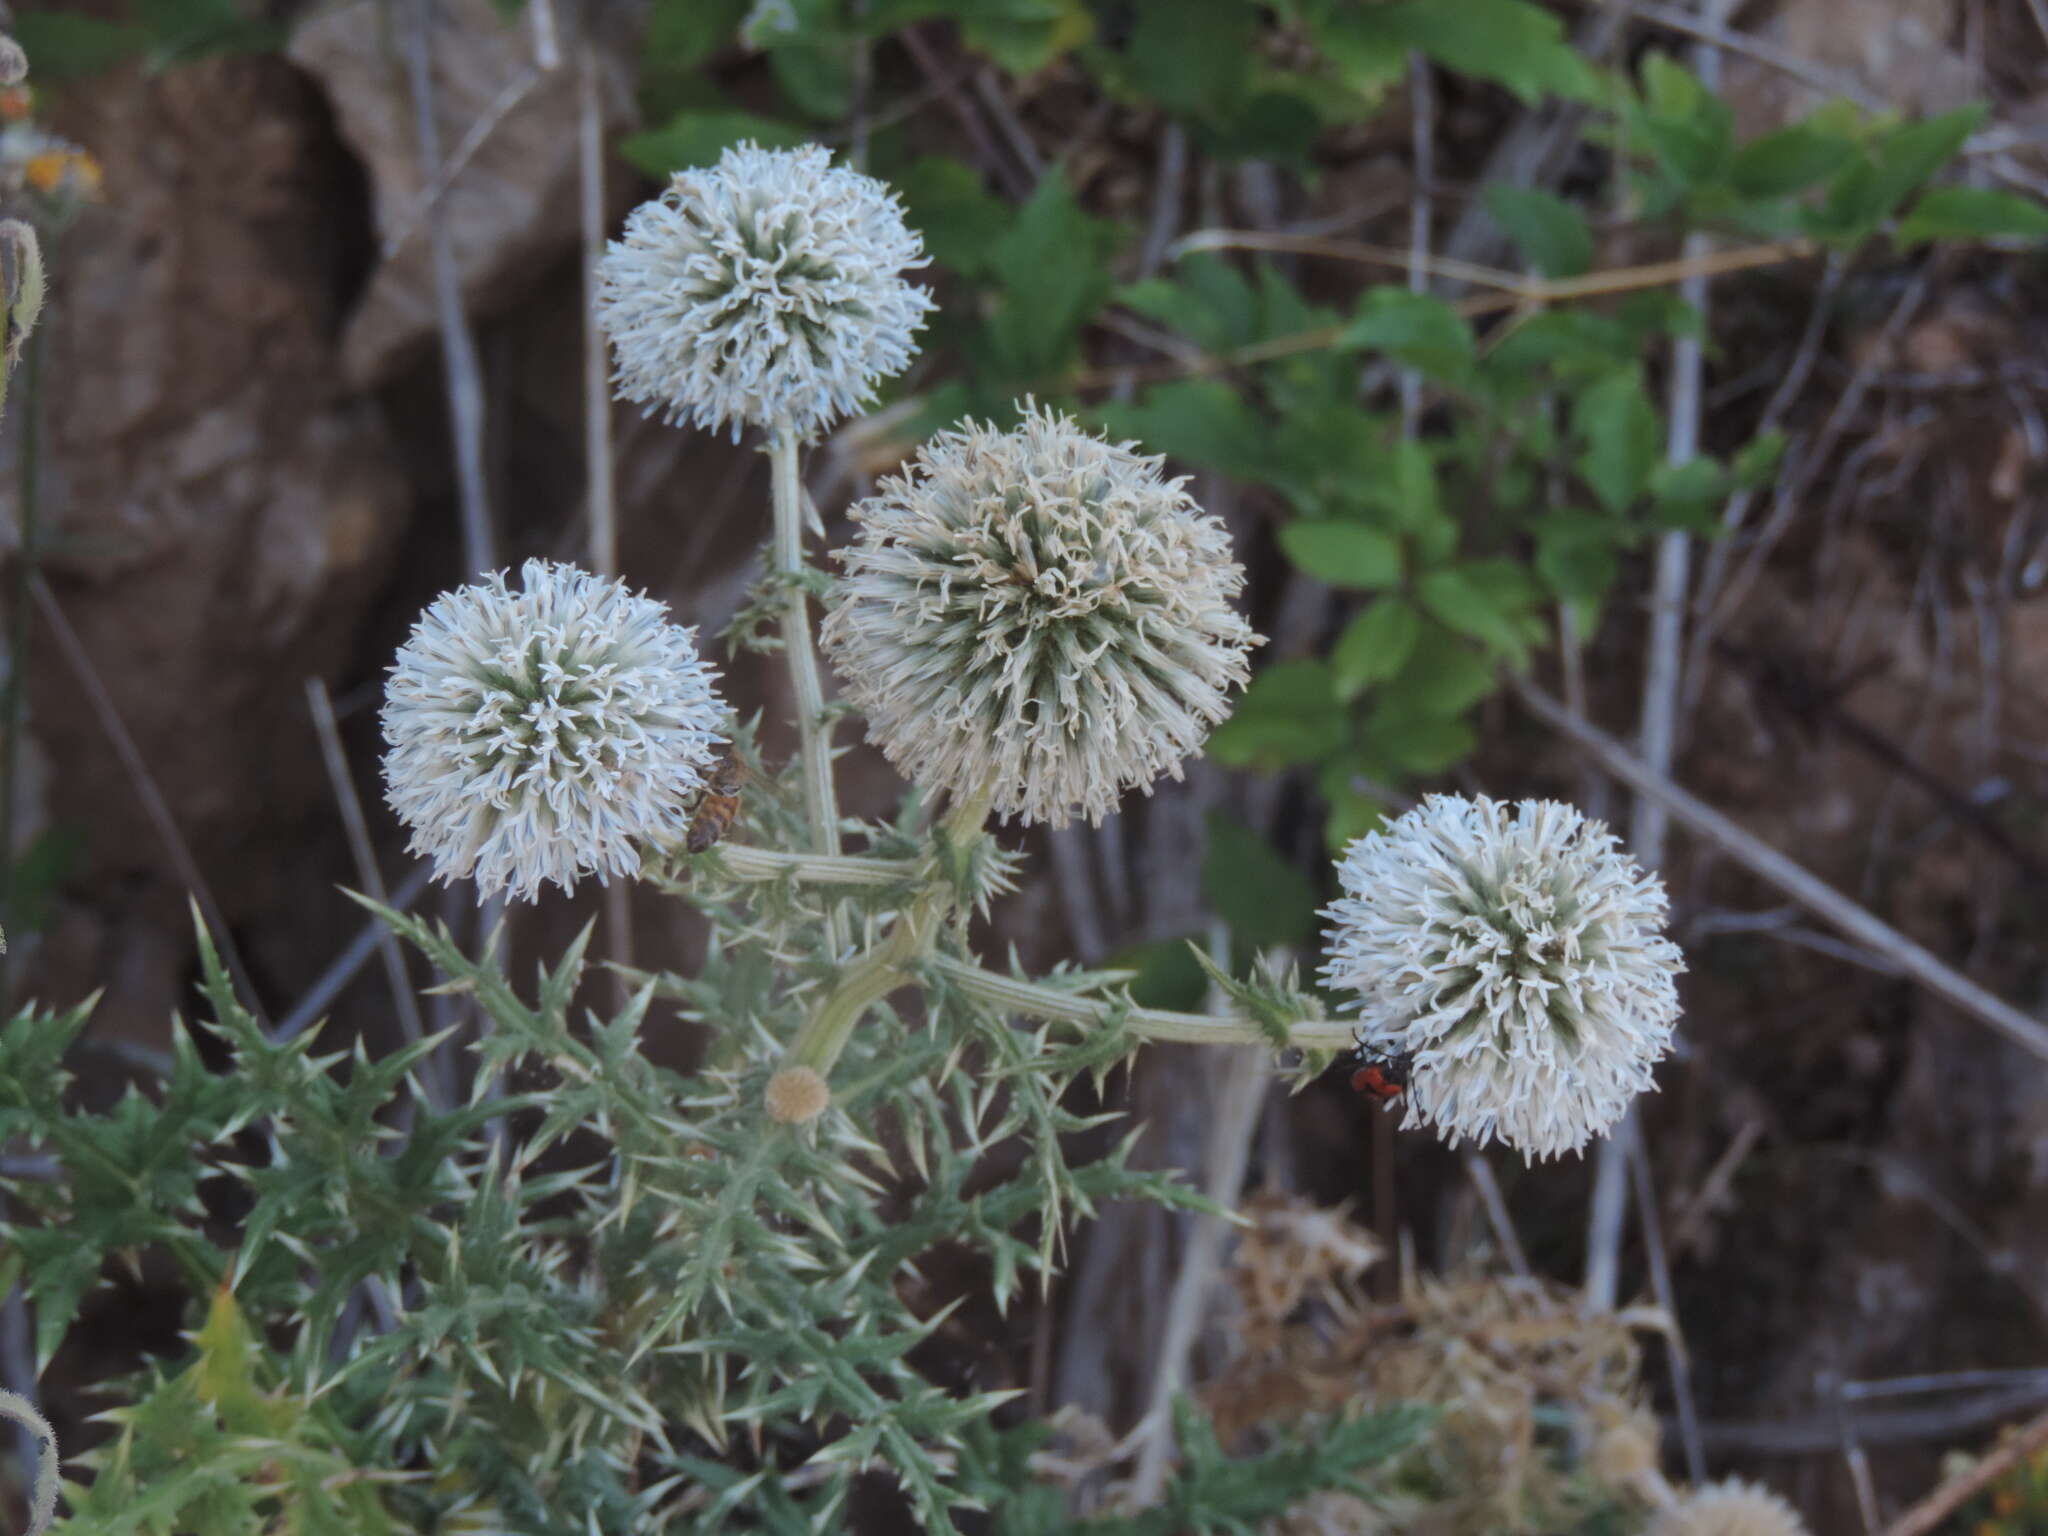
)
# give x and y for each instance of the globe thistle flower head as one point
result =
(1730, 1508)
(541, 734)
(766, 288)
(1518, 956)
(1041, 610)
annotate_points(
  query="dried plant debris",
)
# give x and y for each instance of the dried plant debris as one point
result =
(1541, 1422)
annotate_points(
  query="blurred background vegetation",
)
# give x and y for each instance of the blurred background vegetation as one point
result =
(1471, 317)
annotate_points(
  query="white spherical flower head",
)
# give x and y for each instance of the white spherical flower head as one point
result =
(1518, 957)
(541, 734)
(1041, 610)
(1730, 1508)
(766, 288)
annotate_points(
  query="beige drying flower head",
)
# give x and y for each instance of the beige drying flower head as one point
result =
(1625, 1445)
(1731, 1508)
(797, 1095)
(1041, 610)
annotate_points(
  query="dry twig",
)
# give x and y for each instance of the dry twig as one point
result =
(365, 856)
(1796, 881)
(461, 375)
(154, 806)
(1516, 293)
(1950, 1496)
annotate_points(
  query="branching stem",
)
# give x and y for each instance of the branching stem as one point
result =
(1043, 1002)
(886, 966)
(821, 798)
(742, 862)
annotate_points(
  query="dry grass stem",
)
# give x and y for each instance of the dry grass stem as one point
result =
(1793, 879)
(1518, 293)
(154, 806)
(1950, 1496)
(461, 375)
(365, 855)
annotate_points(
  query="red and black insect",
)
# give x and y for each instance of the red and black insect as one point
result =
(1385, 1077)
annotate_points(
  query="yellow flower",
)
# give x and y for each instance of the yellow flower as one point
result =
(58, 172)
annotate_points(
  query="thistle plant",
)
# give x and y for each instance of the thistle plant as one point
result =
(1041, 611)
(1728, 1508)
(596, 1295)
(545, 734)
(1518, 957)
(766, 289)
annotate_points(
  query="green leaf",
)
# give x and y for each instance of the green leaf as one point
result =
(1520, 46)
(1054, 267)
(1206, 299)
(1166, 975)
(1196, 421)
(960, 219)
(1688, 128)
(1023, 36)
(1687, 495)
(1483, 600)
(1443, 677)
(682, 33)
(1278, 125)
(1353, 810)
(1266, 901)
(1575, 555)
(1415, 329)
(1657, 312)
(39, 873)
(1620, 431)
(224, 1376)
(1566, 339)
(817, 77)
(1194, 57)
(1670, 89)
(1420, 743)
(1375, 645)
(62, 46)
(1343, 554)
(180, 31)
(1867, 191)
(1289, 715)
(698, 138)
(1551, 233)
(1788, 161)
(1972, 213)
(1757, 460)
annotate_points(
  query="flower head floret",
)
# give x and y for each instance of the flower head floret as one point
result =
(1518, 956)
(542, 734)
(1729, 1508)
(766, 288)
(1040, 610)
